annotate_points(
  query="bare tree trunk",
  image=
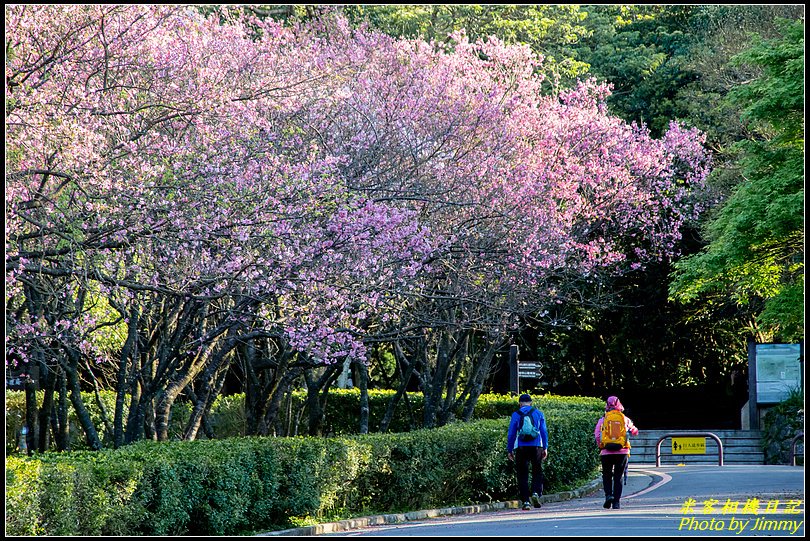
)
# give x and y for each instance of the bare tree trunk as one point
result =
(212, 355)
(318, 387)
(149, 431)
(284, 391)
(210, 390)
(267, 379)
(83, 415)
(406, 374)
(458, 359)
(362, 373)
(201, 408)
(47, 380)
(475, 386)
(62, 428)
(124, 384)
(102, 408)
(135, 419)
(206, 420)
(31, 416)
(446, 352)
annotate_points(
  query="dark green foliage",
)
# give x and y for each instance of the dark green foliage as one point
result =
(755, 255)
(781, 424)
(640, 50)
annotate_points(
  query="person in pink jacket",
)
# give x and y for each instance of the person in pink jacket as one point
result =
(613, 462)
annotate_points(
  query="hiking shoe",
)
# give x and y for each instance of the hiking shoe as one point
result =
(527, 506)
(608, 501)
(536, 501)
(616, 505)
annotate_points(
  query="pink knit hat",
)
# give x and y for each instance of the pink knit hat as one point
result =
(613, 403)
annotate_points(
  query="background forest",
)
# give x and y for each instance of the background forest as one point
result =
(387, 197)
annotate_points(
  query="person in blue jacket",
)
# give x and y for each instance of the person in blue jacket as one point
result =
(523, 453)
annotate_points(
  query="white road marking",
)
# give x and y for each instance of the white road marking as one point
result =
(665, 478)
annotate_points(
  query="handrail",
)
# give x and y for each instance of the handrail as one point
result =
(793, 447)
(686, 435)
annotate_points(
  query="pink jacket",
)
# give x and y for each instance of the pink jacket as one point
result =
(614, 403)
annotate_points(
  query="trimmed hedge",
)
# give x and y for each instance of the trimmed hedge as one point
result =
(238, 485)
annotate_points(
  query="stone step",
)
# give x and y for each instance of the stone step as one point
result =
(734, 438)
(710, 444)
(739, 447)
(710, 450)
(720, 433)
(698, 459)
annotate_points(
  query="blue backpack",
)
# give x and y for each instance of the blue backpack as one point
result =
(526, 428)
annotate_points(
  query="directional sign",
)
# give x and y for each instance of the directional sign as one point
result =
(530, 370)
(16, 378)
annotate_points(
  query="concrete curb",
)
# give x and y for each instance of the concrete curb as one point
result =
(397, 518)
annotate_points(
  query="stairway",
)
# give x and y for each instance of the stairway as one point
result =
(739, 447)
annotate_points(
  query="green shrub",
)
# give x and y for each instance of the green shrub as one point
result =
(781, 424)
(456, 464)
(235, 485)
(80, 493)
(23, 492)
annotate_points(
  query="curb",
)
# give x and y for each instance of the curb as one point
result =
(397, 518)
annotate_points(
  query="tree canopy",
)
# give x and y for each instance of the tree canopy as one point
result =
(283, 194)
(756, 240)
(227, 189)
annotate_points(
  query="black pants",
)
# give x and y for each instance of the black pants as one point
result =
(523, 457)
(612, 473)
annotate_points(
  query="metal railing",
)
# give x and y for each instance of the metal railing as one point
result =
(687, 435)
(793, 453)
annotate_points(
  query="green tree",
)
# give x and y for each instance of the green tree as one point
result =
(640, 50)
(550, 30)
(755, 254)
(722, 32)
(670, 62)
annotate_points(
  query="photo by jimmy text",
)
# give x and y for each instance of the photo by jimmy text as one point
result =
(769, 516)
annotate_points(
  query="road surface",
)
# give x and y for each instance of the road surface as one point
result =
(697, 500)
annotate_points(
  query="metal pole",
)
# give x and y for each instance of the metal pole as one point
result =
(796, 439)
(514, 385)
(753, 409)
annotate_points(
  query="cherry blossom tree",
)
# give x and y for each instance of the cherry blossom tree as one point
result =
(185, 193)
(150, 165)
(535, 200)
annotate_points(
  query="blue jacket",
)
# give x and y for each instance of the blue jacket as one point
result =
(539, 423)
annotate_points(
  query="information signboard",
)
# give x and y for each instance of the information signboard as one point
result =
(778, 371)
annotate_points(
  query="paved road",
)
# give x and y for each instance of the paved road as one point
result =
(665, 501)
